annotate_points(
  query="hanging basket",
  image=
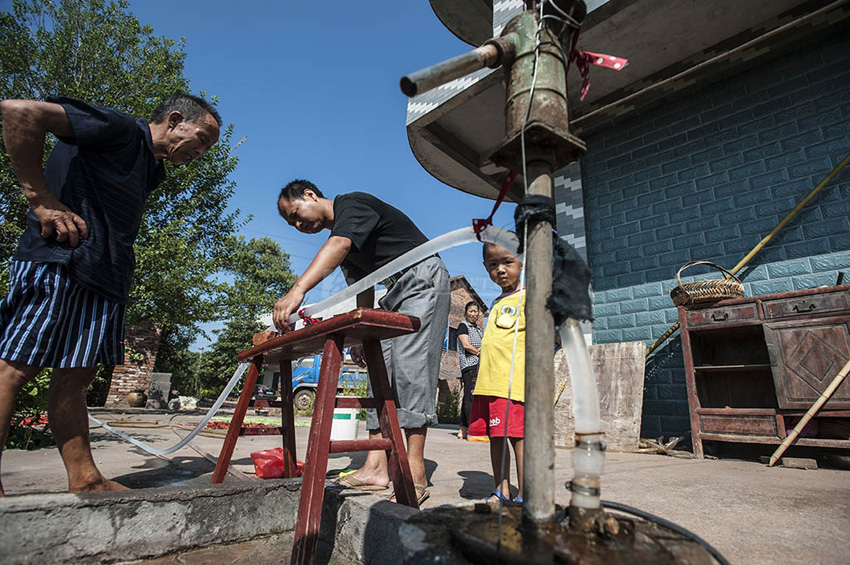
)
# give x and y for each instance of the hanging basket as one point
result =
(702, 292)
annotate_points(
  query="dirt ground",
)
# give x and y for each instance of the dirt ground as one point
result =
(749, 512)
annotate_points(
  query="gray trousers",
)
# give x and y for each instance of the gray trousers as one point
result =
(413, 360)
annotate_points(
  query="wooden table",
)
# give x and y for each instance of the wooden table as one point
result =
(364, 326)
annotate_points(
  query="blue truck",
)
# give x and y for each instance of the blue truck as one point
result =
(305, 379)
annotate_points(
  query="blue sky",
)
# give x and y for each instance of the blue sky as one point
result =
(314, 87)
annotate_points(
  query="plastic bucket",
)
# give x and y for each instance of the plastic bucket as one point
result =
(344, 426)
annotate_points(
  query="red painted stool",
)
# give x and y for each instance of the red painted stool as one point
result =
(363, 325)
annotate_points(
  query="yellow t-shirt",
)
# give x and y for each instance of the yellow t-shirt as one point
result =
(497, 346)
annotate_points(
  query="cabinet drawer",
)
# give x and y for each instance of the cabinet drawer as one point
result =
(814, 304)
(739, 424)
(723, 315)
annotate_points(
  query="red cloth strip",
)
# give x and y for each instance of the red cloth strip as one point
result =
(307, 319)
(479, 225)
(583, 60)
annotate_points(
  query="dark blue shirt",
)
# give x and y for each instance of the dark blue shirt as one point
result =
(104, 173)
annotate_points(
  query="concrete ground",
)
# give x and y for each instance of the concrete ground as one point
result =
(749, 512)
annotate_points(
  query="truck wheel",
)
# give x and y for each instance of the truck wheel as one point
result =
(303, 399)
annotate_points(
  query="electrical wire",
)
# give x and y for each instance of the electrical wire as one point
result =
(666, 524)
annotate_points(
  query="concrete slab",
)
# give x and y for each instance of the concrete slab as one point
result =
(751, 513)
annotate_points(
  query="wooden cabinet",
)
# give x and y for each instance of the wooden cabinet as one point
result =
(755, 365)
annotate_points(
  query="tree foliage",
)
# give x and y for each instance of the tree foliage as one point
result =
(98, 51)
(260, 274)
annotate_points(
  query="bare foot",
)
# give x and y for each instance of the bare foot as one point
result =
(102, 485)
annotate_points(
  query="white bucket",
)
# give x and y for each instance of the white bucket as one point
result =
(344, 426)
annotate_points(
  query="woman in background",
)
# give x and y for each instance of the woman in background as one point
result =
(469, 342)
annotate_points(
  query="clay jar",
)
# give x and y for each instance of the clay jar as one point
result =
(137, 399)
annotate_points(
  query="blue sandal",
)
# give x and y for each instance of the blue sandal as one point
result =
(498, 494)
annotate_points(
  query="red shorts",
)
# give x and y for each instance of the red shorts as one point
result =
(488, 417)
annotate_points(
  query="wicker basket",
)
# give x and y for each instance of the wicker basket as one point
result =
(702, 292)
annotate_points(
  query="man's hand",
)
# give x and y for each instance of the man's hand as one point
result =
(56, 218)
(357, 355)
(284, 308)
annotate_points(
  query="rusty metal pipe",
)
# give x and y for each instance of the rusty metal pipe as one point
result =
(539, 443)
(492, 54)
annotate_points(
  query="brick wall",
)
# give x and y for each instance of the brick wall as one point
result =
(707, 177)
(141, 343)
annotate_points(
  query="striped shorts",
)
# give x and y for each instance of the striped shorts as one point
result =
(49, 321)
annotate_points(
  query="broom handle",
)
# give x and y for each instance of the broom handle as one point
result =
(825, 395)
(766, 239)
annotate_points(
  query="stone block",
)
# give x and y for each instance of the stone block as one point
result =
(662, 182)
(826, 228)
(644, 263)
(633, 306)
(807, 248)
(711, 180)
(778, 133)
(621, 321)
(607, 336)
(833, 261)
(814, 280)
(650, 318)
(619, 370)
(158, 390)
(772, 286)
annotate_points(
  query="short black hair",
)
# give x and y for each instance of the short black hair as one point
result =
(469, 305)
(192, 107)
(487, 245)
(295, 190)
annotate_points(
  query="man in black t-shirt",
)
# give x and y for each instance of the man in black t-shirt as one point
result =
(71, 275)
(366, 234)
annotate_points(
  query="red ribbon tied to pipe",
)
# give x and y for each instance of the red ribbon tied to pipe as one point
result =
(583, 60)
(479, 225)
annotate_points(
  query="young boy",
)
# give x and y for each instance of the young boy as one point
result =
(497, 405)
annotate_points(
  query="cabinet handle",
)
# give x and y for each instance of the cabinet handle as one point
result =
(802, 307)
(720, 316)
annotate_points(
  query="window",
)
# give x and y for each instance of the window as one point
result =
(452, 339)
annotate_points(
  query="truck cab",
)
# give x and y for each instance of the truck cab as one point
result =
(305, 378)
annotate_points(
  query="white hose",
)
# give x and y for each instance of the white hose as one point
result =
(462, 236)
(455, 238)
(240, 370)
(585, 394)
(589, 455)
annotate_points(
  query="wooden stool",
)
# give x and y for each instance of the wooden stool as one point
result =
(363, 325)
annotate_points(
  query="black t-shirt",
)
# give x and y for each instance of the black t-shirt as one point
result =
(378, 232)
(104, 173)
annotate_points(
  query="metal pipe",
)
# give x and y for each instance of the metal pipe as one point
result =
(491, 55)
(742, 263)
(539, 443)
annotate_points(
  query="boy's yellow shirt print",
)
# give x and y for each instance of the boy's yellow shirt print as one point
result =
(507, 317)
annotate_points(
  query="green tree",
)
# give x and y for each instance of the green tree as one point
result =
(261, 274)
(96, 50)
